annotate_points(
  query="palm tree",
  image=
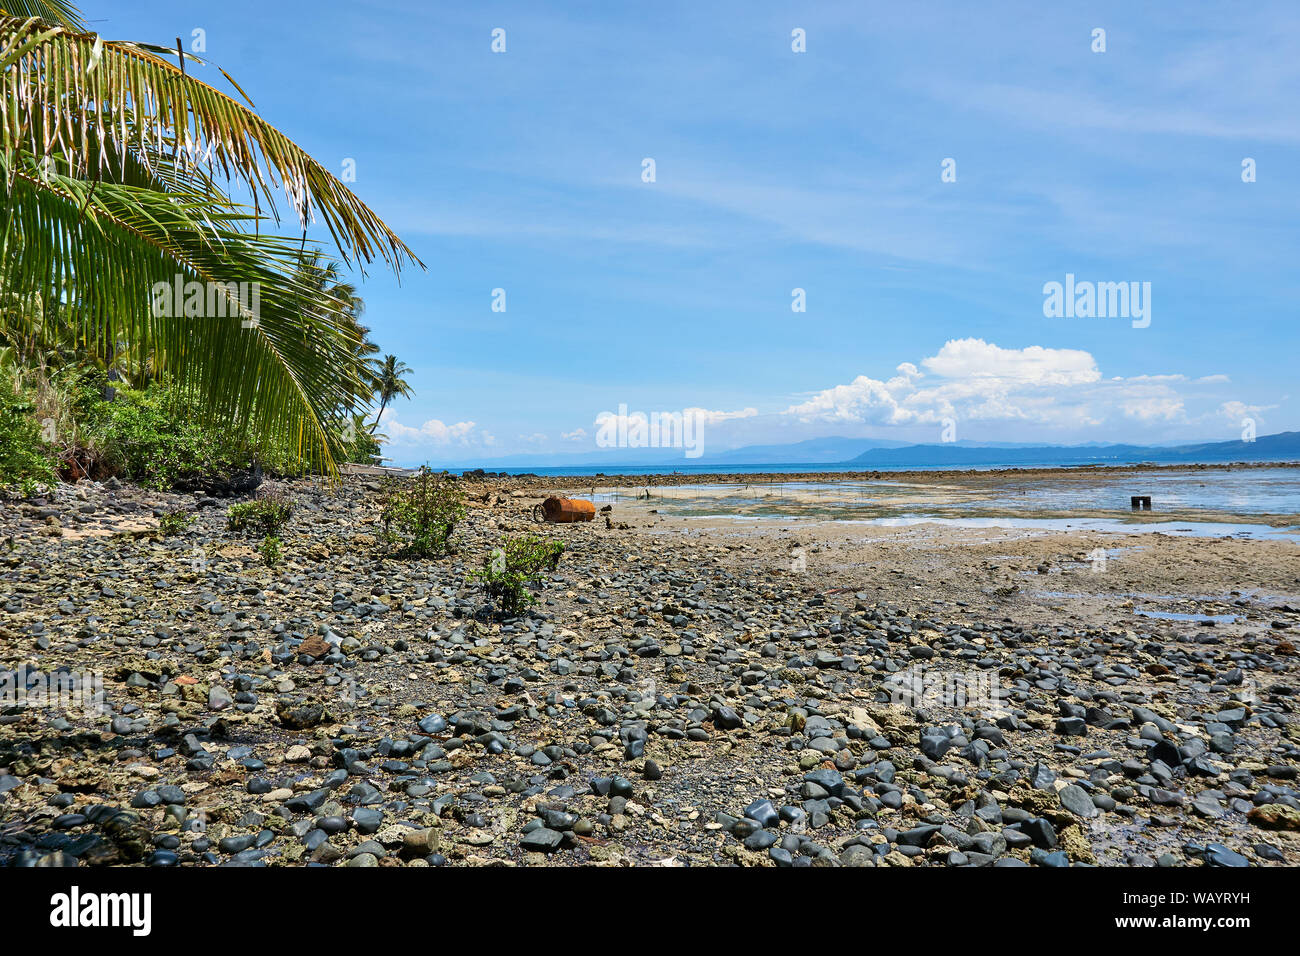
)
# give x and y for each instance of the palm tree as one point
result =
(391, 384)
(116, 171)
(334, 294)
(325, 277)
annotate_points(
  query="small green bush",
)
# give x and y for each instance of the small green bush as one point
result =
(420, 514)
(174, 522)
(510, 570)
(270, 550)
(264, 515)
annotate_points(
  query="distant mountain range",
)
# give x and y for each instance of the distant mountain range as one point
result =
(1284, 446)
(861, 453)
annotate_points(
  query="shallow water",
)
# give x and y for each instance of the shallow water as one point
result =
(1198, 529)
(1231, 492)
(1240, 491)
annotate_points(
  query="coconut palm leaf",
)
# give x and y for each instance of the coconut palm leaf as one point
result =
(53, 11)
(109, 164)
(142, 100)
(118, 247)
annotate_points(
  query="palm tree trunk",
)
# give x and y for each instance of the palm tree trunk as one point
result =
(379, 415)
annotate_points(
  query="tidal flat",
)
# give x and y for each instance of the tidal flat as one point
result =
(895, 671)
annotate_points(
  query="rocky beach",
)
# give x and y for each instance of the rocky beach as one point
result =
(686, 690)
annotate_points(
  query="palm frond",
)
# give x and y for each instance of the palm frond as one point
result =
(143, 102)
(100, 253)
(53, 11)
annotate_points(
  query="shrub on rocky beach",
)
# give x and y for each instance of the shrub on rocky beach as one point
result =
(509, 571)
(265, 515)
(24, 462)
(174, 522)
(270, 550)
(155, 438)
(152, 436)
(71, 423)
(420, 514)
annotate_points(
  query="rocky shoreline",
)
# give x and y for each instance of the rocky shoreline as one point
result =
(681, 695)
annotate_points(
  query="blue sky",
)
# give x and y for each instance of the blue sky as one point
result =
(820, 170)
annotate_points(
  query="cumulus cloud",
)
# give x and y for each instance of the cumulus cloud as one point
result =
(1035, 365)
(1036, 390)
(1236, 410)
(434, 432)
(864, 399)
(974, 380)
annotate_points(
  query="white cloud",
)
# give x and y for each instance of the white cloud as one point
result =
(434, 432)
(974, 380)
(707, 417)
(623, 419)
(1035, 365)
(1013, 393)
(1237, 410)
(1157, 407)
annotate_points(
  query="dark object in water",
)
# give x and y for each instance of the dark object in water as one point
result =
(1140, 502)
(565, 510)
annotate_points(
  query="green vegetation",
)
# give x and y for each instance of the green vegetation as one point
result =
(154, 437)
(122, 248)
(265, 515)
(270, 550)
(150, 436)
(421, 513)
(174, 522)
(358, 444)
(24, 462)
(510, 570)
(60, 424)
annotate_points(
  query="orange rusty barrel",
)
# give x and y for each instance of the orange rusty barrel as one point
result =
(564, 510)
